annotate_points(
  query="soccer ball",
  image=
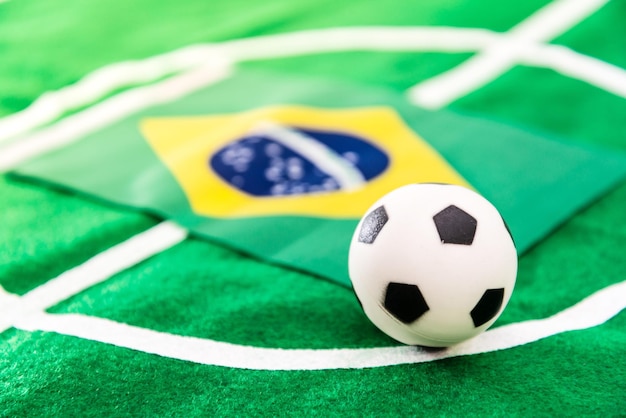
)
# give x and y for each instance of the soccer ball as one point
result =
(432, 264)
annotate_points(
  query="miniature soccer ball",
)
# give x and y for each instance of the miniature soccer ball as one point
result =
(432, 264)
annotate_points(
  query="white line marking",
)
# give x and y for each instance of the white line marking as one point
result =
(8, 303)
(111, 110)
(554, 19)
(569, 63)
(99, 83)
(370, 38)
(348, 177)
(93, 271)
(498, 58)
(594, 310)
(96, 85)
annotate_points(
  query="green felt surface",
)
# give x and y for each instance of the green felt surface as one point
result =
(201, 289)
(46, 233)
(122, 382)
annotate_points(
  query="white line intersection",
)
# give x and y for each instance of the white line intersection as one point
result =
(499, 57)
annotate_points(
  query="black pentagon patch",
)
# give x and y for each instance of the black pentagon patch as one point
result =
(488, 306)
(455, 226)
(373, 224)
(405, 302)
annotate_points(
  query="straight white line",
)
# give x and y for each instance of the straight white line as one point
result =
(370, 38)
(590, 312)
(93, 271)
(581, 67)
(554, 18)
(99, 83)
(498, 58)
(112, 110)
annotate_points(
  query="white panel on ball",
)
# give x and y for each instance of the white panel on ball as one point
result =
(432, 264)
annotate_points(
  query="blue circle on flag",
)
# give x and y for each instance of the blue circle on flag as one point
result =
(293, 161)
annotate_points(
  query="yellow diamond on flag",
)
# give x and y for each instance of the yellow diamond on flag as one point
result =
(293, 160)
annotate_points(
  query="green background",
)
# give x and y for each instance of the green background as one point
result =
(197, 288)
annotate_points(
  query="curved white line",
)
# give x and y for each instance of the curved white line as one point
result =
(592, 311)
(97, 84)
(370, 38)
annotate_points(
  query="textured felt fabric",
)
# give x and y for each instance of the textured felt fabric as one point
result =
(200, 289)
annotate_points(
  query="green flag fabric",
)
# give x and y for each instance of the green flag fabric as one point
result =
(150, 149)
(118, 164)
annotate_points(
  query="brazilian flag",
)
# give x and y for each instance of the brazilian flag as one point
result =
(282, 167)
(181, 182)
